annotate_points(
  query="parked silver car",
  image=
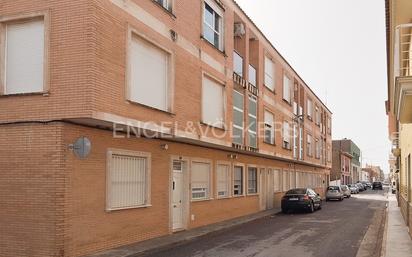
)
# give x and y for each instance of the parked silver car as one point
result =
(334, 193)
(346, 191)
(353, 189)
(360, 186)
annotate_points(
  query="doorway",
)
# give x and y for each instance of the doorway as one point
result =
(178, 197)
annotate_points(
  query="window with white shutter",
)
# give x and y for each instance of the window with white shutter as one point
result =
(213, 103)
(128, 180)
(149, 74)
(252, 180)
(223, 180)
(238, 117)
(238, 180)
(24, 56)
(286, 88)
(285, 181)
(286, 135)
(200, 180)
(269, 74)
(310, 108)
(269, 128)
(277, 180)
(252, 127)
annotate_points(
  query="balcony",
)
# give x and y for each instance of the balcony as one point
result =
(403, 73)
(396, 151)
(238, 75)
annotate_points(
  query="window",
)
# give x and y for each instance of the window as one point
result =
(277, 183)
(24, 56)
(252, 75)
(286, 88)
(213, 103)
(252, 180)
(252, 128)
(269, 128)
(309, 145)
(237, 64)
(310, 108)
(269, 74)
(238, 180)
(286, 135)
(167, 4)
(238, 117)
(285, 181)
(295, 141)
(317, 115)
(200, 180)
(128, 183)
(329, 125)
(317, 149)
(149, 77)
(213, 25)
(222, 175)
(292, 179)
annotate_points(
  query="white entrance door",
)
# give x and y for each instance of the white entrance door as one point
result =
(177, 195)
(262, 186)
(269, 189)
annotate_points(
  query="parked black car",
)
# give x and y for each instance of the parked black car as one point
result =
(301, 199)
(377, 185)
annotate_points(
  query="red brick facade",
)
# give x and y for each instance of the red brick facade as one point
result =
(53, 203)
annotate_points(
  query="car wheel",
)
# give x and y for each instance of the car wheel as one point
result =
(320, 205)
(284, 210)
(341, 199)
(312, 208)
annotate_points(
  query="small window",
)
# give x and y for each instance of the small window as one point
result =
(285, 180)
(277, 180)
(252, 75)
(149, 77)
(287, 89)
(128, 180)
(213, 103)
(237, 64)
(317, 149)
(223, 175)
(238, 180)
(200, 180)
(24, 56)
(252, 180)
(269, 74)
(167, 4)
(309, 145)
(213, 25)
(286, 135)
(238, 117)
(269, 128)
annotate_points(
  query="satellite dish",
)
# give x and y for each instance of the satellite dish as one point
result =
(82, 147)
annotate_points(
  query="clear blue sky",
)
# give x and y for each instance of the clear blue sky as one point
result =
(339, 48)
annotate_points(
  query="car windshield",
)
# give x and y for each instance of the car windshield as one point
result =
(296, 191)
(333, 188)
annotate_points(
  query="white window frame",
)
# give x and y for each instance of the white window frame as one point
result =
(109, 156)
(222, 124)
(132, 33)
(166, 4)
(243, 115)
(270, 74)
(217, 10)
(277, 180)
(248, 180)
(208, 191)
(309, 146)
(243, 187)
(228, 180)
(250, 115)
(309, 105)
(286, 135)
(287, 96)
(269, 127)
(22, 18)
(317, 148)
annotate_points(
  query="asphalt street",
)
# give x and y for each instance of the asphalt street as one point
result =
(335, 231)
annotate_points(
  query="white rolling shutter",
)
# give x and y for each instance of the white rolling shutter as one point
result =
(200, 180)
(149, 74)
(212, 103)
(127, 182)
(222, 180)
(269, 74)
(24, 71)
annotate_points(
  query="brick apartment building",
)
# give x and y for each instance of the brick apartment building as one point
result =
(221, 125)
(346, 163)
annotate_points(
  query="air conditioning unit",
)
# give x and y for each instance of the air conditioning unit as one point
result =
(239, 29)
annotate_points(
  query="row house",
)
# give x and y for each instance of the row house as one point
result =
(399, 103)
(346, 150)
(126, 120)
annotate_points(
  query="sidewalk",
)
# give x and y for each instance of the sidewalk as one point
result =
(398, 242)
(169, 241)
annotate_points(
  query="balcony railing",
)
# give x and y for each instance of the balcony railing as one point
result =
(403, 50)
